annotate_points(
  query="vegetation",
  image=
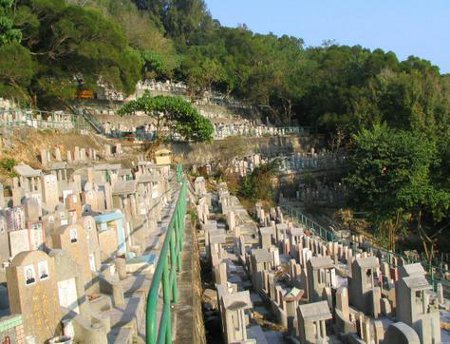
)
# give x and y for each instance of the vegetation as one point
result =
(395, 113)
(331, 87)
(7, 166)
(174, 114)
(390, 179)
(259, 185)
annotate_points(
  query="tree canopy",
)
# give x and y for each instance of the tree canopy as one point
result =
(331, 87)
(390, 179)
(51, 47)
(173, 113)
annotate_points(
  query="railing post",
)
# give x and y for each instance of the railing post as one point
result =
(179, 237)
(173, 267)
(166, 300)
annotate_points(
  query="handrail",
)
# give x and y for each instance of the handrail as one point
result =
(322, 232)
(435, 273)
(165, 276)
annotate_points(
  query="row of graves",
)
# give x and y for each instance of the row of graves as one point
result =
(145, 132)
(323, 160)
(296, 163)
(11, 115)
(78, 250)
(54, 157)
(153, 86)
(322, 193)
(248, 164)
(320, 292)
(223, 130)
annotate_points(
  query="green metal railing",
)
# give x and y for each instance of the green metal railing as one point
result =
(435, 273)
(325, 234)
(159, 329)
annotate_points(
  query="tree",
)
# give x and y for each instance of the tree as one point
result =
(172, 115)
(258, 184)
(16, 70)
(8, 33)
(389, 177)
(71, 42)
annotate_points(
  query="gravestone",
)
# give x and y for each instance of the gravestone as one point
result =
(32, 292)
(50, 192)
(73, 239)
(33, 210)
(58, 156)
(19, 241)
(70, 283)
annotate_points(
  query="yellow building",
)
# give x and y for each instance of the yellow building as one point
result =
(163, 157)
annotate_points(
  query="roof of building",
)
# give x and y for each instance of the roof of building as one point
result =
(296, 231)
(323, 262)
(235, 301)
(412, 270)
(282, 226)
(147, 178)
(217, 237)
(294, 294)
(27, 171)
(115, 215)
(266, 230)
(124, 187)
(262, 255)
(368, 262)
(61, 165)
(417, 282)
(315, 311)
(105, 167)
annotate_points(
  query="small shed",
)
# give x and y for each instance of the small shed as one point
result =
(163, 157)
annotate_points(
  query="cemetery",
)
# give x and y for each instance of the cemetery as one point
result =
(80, 241)
(317, 290)
(169, 178)
(83, 235)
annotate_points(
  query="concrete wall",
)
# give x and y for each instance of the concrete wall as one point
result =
(189, 325)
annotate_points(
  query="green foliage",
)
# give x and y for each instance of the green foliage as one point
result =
(258, 184)
(7, 165)
(8, 33)
(16, 70)
(384, 162)
(390, 175)
(69, 41)
(157, 65)
(173, 112)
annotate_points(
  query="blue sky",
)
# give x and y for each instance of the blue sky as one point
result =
(406, 27)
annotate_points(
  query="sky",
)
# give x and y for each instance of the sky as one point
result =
(406, 27)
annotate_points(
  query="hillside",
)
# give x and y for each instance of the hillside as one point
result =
(68, 46)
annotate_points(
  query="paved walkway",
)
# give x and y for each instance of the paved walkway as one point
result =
(136, 286)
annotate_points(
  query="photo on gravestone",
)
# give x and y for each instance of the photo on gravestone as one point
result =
(43, 270)
(30, 277)
(73, 235)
